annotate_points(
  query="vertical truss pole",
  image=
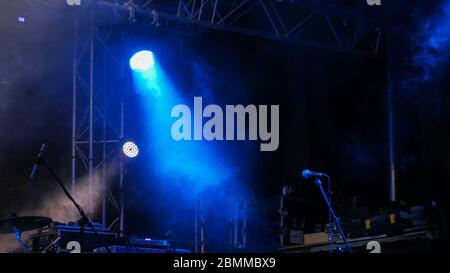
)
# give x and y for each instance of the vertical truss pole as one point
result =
(91, 121)
(390, 115)
(392, 177)
(236, 224)
(84, 145)
(121, 186)
(74, 102)
(244, 225)
(103, 189)
(202, 224)
(121, 163)
(196, 225)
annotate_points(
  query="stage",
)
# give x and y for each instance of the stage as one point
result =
(201, 127)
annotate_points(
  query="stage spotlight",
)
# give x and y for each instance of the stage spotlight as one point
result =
(130, 149)
(142, 60)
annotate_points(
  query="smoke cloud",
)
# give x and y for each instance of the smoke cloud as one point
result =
(433, 42)
(59, 208)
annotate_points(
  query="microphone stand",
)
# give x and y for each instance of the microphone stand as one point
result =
(330, 227)
(331, 211)
(84, 218)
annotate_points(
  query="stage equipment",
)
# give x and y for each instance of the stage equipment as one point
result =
(18, 225)
(357, 36)
(90, 116)
(336, 219)
(315, 238)
(142, 61)
(130, 149)
(98, 110)
(296, 237)
(132, 249)
(84, 219)
(420, 241)
(148, 242)
(131, 6)
(307, 174)
(137, 244)
(238, 231)
(318, 182)
(284, 213)
(60, 238)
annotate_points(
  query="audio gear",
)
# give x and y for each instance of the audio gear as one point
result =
(131, 249)
(58, 238)
(148, 242)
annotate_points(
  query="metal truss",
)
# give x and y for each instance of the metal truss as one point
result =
(97, 123)
(97, 111)
(309, 23)
(276, 20)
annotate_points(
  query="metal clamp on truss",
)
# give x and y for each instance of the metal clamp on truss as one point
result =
(131, 6)
(154, 17)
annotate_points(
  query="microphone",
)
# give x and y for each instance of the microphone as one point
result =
(38, 160)
(307, 174)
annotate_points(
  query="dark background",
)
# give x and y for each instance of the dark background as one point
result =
(333, 119)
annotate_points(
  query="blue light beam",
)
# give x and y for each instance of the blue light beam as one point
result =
(196, 163)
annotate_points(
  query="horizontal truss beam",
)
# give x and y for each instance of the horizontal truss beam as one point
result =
(347, 30)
